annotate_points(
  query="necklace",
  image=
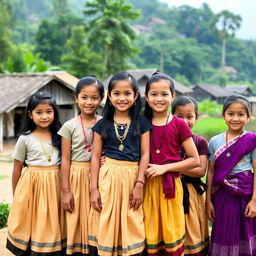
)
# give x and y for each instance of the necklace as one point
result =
(163, 134)
(88, 147)
(48, 156)
(121, 126)
(121, 138)
(228, 154)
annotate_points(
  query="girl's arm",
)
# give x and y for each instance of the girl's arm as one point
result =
(190, 162)
(136, 196)
(199, 171)
(250, 210)
(67, 198)
(16, 173)
(95, 167)
(208, 203)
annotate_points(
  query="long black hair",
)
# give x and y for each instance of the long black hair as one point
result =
(43, 97)
(134, 111)
(155, 78)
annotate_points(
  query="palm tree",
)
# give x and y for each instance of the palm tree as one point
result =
(108, 29)
(224, 25)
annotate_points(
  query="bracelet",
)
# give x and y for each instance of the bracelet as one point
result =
(65, 190)
(139, 181)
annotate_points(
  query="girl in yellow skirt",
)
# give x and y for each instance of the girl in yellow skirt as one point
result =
(163, 207)
(77, 137)
(197, 233)
(34, 223)
(116, 219)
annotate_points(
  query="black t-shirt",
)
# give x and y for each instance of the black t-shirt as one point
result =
(131, 151)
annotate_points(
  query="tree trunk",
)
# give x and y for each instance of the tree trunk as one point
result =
(105, 61)
(223, 62)
(161, 61)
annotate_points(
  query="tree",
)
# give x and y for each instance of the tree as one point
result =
(80, 60)
(224, 25)
(109, 28)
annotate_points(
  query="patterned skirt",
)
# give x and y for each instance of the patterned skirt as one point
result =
(36, 220)
(164, 219)
(117, 229)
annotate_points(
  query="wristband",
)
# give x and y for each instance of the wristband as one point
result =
(139, 181)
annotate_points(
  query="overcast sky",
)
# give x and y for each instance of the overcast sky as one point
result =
(245, 8)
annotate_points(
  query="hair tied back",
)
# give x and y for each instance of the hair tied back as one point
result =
(155, 73)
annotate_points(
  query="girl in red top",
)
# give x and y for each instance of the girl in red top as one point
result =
(163, 208)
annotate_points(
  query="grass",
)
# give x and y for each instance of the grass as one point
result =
(3, 177)
(6, 159)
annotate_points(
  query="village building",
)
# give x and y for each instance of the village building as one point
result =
(243, 89)
(15, 89)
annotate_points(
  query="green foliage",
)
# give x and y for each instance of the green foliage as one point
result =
(209, 107)
(109, 32)
(209, 126)
(80, 60)
(4, 212)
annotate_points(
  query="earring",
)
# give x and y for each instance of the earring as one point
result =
(110, 104)
(134, 104)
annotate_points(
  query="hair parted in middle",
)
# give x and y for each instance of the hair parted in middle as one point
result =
(109, 110)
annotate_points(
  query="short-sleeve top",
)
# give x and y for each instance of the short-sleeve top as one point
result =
(169, 139)
(244, 164)
(29, 150)
(131, 151)
(72, 130)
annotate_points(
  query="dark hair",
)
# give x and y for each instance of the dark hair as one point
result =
(234, 99)
(43, 97)
(109, 110)
(155, 78)
(87, 81)
(182, 101)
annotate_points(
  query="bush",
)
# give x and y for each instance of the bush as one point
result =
(4, 212)
(209, 107)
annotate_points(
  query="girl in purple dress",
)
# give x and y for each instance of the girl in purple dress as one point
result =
(231, 192)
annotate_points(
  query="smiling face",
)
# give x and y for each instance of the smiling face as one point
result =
(122, 96)
(236, 117)
(187, 113)
(42, 115)
(159, 96)
(88, 100)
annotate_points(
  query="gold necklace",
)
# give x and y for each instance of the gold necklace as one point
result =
(49, 157)
(121, 138)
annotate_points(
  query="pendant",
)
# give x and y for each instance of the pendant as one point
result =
(158, 151)
(121, 147)
(228, 154)
(89, 149)
(49, 159)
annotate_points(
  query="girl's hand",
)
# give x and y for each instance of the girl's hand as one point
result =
(102, 160)
(155, 170)
(96, 200)
(210, 210)
(67, 201)
(250, 210)
(136, 196)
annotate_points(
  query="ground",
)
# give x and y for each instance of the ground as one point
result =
(6, 189)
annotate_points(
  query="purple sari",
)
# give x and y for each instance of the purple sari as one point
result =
(232, 233)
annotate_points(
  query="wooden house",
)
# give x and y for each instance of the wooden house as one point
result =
(243, 89)
(15, 89)
(142, 76)
(212, 92)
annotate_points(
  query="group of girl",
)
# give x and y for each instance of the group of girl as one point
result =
(130, 184)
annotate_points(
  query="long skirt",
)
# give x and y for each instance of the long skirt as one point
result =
(77, 221)
(232, 233)
(197, 232)
(35, 220)
(117, 229)
(164, 219)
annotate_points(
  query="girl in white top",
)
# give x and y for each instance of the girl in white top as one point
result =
(34, 224)
(77, 137)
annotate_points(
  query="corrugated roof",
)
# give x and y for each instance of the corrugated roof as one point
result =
(141, 73)
(15, 88)
(238, 88)
(215, 90)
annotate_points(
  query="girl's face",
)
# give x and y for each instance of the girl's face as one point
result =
(122, 96)
(236, 117)
(42, 115)
(187, 113)
(88, 100)
(159, 96)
